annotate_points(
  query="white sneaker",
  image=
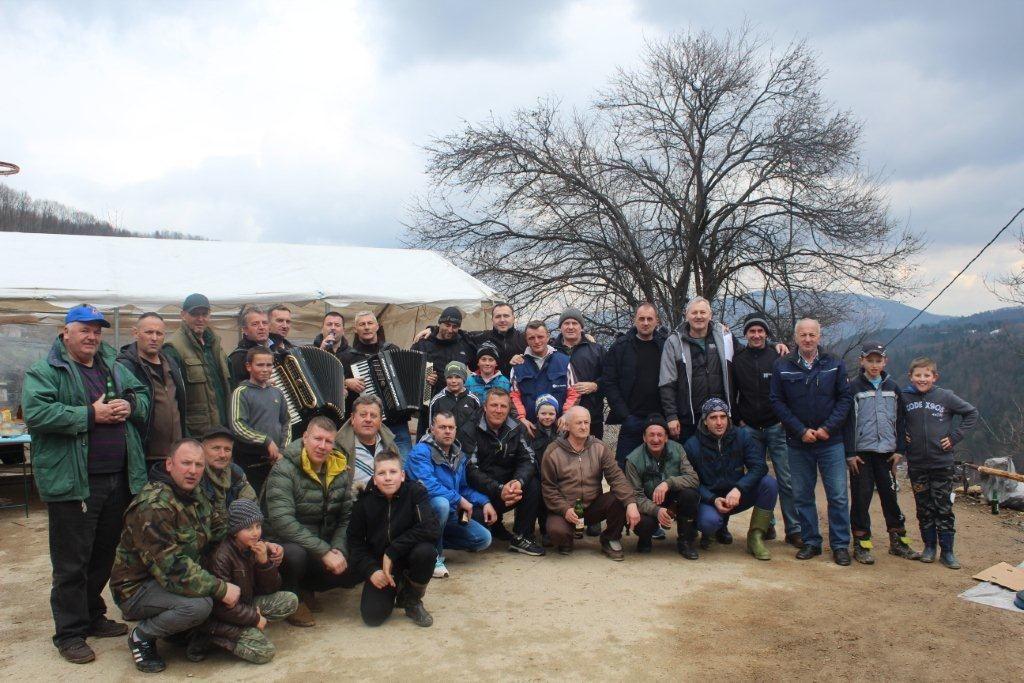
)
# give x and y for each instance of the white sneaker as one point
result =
(440, 571)
(615, 545)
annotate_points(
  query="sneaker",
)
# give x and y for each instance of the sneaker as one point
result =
(808, 551)
(107, 628)
(659, 534)
(440, 571)
(613, 549)
(77, 651)
(841, 556)
(144, 653)
(526, 546)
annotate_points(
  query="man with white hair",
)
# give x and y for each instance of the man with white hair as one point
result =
(810, 395)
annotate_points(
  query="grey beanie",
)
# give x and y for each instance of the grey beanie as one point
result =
(571, 314)
(242, 514)
(451, 315)
(756, 319)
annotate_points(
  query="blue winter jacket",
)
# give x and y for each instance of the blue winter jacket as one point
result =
(808, 399)
(734, 461)
(479, 387)
(530, 381)
(427, 464)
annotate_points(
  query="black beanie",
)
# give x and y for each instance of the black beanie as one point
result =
(655, 419)
(451, 315)
(756, 319)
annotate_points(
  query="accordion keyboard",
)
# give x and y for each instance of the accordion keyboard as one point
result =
(277, 380)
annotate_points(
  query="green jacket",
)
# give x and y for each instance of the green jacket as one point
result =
(204, 367)
(645, 473)
(59, 414)
(167, 535)
(301, 509)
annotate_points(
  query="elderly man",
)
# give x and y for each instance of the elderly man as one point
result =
(752, 405)
(439, 463)
(84, 411)
(544, 370)
(587, 358)
(280, 325)
(166, 423)
(665, 488)
(366, 345)
(733, 478)
(158, 578)
(332, 334)
(309, 499)
(362, 437)
(503, 468)
(811, 396)
(197, 351)
(629, 379)
(223, 482)
(254, 325)
(571, 475)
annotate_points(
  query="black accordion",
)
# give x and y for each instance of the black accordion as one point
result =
(313, 383)
(398, 378)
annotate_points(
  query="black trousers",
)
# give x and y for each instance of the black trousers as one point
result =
(933, 494)
(876, 472)
(254, 461)
(527, 509)
(303, 571)
(83, 538)
(376, 604)
(683, 503)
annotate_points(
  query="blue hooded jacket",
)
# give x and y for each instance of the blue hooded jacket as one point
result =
(427, 464)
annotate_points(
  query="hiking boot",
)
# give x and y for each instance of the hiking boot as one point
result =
(723, 536)
(931, 539)
(795, 540)
(309, 597)
(644, 546)
(499, 532)
(612, 548)
(946, 556)
(411, 598)
(526, 546)
(77, 651)
(594, 529)
(862, 550)
(899, 545)
(705, 541)
(808, 551)
(144, 652)
(841, 556)
(760, 522)
(198, 646)
(565, 550)
(106, 628)
(302, 616)
(686, 542)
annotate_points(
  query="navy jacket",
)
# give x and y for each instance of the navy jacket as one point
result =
(734, 461)
(619, 373)
(554, 378)
(808, 399)
(929, 420)
(587, 360)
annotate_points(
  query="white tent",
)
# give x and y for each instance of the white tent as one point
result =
(43, 275)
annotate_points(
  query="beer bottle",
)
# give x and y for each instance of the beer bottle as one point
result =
(110, 393)
(578, 509)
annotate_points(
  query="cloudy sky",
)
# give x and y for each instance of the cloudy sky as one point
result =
(304, 121)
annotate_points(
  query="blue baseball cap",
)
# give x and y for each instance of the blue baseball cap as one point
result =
(85, 313)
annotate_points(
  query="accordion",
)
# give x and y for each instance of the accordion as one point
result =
(397, 378)
(313, 383)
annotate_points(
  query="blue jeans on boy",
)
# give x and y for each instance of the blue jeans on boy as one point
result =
(710, 520)
(773, 441)
(403, 440)
(805, 461)
(472, 537)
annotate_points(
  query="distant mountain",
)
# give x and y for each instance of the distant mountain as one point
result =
(893, 313)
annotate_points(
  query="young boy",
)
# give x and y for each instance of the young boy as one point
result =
(259, 418)
(455, 398)
(931, 440)
(873, 447)
(391, 542)
(546, 407)
(487, 375)
(245, 559)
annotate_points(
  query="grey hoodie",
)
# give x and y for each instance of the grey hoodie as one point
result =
(929, 420)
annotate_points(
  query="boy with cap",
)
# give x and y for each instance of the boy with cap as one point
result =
(245, 559)
(259, 418)
(873, 448)
(455, 398)
(487, 375)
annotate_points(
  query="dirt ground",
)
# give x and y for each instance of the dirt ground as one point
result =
(506, 616)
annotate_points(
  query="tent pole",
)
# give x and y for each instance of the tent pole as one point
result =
(117, 327)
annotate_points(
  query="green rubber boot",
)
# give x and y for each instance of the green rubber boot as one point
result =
(760, 520)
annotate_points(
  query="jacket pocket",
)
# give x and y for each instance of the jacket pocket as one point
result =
(56, 478)
(195, 372)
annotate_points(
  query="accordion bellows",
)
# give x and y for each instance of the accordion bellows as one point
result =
(397, 377)
(313, 383)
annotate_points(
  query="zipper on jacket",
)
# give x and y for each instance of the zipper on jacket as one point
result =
(389, 522)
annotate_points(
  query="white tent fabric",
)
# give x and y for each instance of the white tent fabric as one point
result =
(144, 274)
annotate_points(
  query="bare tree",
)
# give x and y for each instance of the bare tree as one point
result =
(1010, 287)
(715, 169)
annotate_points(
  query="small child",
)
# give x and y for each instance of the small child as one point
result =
(930, 462)
(259, 418)
(246, 560)
(547, 409)
(873, 447)
(455, 398)
(487, 375)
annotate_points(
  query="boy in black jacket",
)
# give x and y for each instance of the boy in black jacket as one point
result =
(873, 446)
(391, 541)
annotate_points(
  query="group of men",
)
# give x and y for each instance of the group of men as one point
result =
(697, 412)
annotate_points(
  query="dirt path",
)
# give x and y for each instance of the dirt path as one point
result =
(583, 617)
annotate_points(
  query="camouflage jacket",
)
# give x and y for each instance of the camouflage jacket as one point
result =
(167, 534)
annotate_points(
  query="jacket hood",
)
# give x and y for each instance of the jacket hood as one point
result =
(435, 451)
(372, 490)
(730, 432)
(158, 473)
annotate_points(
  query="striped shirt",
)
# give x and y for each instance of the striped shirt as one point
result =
(107, 445)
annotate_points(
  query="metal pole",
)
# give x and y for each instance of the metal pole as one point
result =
(117, 327)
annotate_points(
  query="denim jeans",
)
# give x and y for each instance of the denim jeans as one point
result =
(631, 435)
(805, 461)
(403, 439)
(472, 537)
(773, 441)
(710, 520)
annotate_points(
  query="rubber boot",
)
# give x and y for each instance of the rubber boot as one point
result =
(946, 557)
(411, 598)
(899, 545)
(862, 546)
(686, 542)
(930, 538)
(760, 520)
